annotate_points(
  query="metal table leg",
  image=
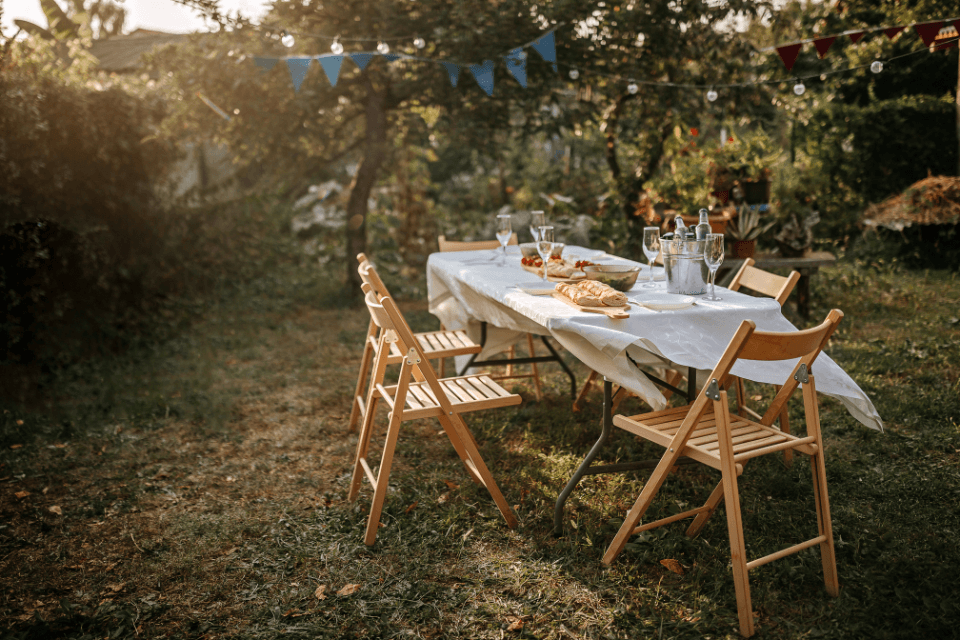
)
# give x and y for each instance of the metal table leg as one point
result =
(585, 467)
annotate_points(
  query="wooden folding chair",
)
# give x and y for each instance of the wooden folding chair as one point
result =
(479, 245)
(779, 288)
(454, 245)
(420, 394)
(707, 432)
(434, 344)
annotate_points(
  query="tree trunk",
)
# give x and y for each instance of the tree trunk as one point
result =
(374, 153)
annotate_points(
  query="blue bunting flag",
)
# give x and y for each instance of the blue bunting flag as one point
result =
(453, 70)
(484, 75)
(298, 70)
(517, 65)
(331, 67)
(547, 48)
(362, 59)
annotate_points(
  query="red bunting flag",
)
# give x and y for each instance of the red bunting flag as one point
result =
(823, 44)
(856, 36)
(893, 31)
(928, 31)
(788, 53)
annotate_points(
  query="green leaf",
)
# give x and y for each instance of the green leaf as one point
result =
(34, 29)
(58, 21)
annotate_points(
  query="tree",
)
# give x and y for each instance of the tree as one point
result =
(100, 20)
(610, 42)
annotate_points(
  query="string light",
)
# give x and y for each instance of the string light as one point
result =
(574, 74)
(632, 88)
(798, 88)
(712, 95)
(419, 42)
(287, 39)
(876, 66)
(336, 47)
(383, 48)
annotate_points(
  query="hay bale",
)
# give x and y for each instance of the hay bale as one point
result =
(931, 201)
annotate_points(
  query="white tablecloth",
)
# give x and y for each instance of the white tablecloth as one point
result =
(465, 288)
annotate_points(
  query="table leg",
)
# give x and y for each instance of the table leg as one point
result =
(803, 291)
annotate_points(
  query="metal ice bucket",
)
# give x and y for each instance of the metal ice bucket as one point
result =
(687, 273)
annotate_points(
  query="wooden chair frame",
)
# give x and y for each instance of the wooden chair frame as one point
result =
(435, 345)
(480, 245)
(419, 393)
(477, 245)
(705, 431)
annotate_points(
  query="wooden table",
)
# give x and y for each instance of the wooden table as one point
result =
(807, 265)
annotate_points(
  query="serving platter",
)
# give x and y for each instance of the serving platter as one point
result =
(617, 313)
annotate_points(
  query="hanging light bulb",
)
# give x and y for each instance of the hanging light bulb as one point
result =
(876, 66)
(632, 88)
(574, 74)
(419, 42)
(383, 48)
(336, 47)
(798, 88)
(287, 40)
(712, 95)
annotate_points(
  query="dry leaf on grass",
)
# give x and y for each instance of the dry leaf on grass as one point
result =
(319, 593)
(55, 509)
(756, 398)
(348, 589)
(672, 565)
(443, 497)
(116, 587)
(411, 507)
(16, 446)
(451, 485)
(515, 623)
(22, 494)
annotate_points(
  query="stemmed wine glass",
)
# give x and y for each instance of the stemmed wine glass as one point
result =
(504, 231)
(545, 246)
(651, 249)
(536, 221)
(713, 256)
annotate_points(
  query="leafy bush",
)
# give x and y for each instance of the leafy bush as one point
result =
(78, 217)
(874, 151)
(935, 246)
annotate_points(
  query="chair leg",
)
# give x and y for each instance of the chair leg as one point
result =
(538, 391)
(649, 492)
(457, 441)
(674, 378)
(731, 495)
(586, 389)
(712, 502)
(475, 460)
(785, 427)
(363, 446)
(383, 479)
(513, 354)
(741, 398)
(619, 396)
(365, 363)
(824, 523)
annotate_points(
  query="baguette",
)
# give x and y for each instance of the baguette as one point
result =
(608, 295)
(578, 296)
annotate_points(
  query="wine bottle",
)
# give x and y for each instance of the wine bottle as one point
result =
(703, 227)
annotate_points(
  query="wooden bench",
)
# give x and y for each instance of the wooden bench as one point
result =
(807, 265)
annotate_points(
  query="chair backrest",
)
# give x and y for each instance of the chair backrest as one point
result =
(769, 284)
(455, 245)
(750, 344)
(369, 275)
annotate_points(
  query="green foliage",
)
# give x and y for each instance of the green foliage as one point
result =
(746, 226)
(916, 247)
(870, 153)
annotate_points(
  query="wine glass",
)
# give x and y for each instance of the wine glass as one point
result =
(536, 221)
(504, 231)
(713, 256)
(651, 249)
(545, 246)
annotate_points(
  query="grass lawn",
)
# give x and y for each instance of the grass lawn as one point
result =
(196, 488)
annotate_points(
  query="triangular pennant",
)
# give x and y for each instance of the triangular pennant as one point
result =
(391, 56)
(362, 59)
(547, 48)
(855, 36)
(892, 32)
(928, 31)
(265, 64)
(453, 70)
(484, 75)
(331, 67)
(789, 53)
(298, 70)
(517, 65)
(823, 45)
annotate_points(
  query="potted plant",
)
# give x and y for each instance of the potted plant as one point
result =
(744, 161)
(745, 229)
(796, 211)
